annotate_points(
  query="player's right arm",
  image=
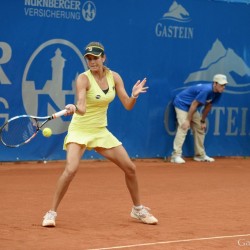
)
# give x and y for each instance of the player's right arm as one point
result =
(82, 85)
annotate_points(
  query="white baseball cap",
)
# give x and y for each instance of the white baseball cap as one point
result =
(221, 79)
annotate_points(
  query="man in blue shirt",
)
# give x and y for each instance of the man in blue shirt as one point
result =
(186, 105)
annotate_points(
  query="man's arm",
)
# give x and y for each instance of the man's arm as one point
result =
(191, 111)
(205, 112)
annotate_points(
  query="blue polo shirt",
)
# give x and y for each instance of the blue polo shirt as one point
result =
(203, 93)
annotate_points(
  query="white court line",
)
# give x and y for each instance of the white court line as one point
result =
(172, 241)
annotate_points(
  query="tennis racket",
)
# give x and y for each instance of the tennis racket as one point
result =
(21, 129)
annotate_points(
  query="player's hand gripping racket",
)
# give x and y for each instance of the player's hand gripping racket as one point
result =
(19, 130)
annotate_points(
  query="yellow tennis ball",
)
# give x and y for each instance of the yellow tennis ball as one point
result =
(47, 132)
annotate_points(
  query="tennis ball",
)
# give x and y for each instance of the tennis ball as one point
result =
(47, 132)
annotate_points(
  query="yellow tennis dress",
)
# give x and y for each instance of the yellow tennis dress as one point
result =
(90, 129)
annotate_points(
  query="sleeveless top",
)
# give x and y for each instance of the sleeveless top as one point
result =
(97, 103)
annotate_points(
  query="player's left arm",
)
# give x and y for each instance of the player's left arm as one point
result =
(127, 101)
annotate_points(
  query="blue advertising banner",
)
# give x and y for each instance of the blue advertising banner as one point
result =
(175, 44)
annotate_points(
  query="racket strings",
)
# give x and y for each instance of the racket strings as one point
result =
(19, 130)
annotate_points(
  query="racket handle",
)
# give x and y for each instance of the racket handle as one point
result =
(60, 113)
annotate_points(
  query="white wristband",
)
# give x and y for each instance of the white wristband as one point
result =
(135, 97)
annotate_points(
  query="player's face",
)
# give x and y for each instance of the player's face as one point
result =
(95, 63)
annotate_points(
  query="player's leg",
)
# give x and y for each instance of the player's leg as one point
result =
(119, 156)
(179, 137)
(74, 154)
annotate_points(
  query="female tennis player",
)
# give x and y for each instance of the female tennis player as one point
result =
(95, 89)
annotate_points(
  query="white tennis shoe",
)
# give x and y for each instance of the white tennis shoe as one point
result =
(177, 159)
(143, 215)
(49, 219)
(204, 158)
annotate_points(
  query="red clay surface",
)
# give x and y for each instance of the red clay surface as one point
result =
(199, 206)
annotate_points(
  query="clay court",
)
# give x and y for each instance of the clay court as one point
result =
(199, 206)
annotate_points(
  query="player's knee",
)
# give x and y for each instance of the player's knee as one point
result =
(131, 170)
(70, 172)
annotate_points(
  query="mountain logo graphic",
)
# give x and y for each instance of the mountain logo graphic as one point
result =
(177, 13)
(227, 62)
(174, 24)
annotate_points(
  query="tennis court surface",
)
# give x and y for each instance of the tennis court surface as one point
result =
(199, 206)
